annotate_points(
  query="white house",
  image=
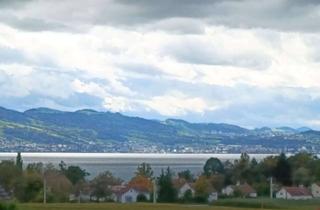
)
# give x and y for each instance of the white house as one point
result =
(130, 194)
(228, 190)
(294, 193)
(213, 196)
(315, 190)
(184, 188)
(245, 189)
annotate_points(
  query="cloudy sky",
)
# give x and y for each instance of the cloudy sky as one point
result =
(247, 62)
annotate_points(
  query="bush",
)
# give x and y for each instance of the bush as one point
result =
(8, 206)
(142, 198)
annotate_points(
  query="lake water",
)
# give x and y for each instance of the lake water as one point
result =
(124, 165)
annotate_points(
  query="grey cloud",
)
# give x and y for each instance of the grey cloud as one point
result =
(9, 55)
(140, 68)
(286, 15)
(198, 52)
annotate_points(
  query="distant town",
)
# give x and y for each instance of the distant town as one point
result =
(48, 130)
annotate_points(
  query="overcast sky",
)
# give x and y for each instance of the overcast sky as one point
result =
(246, 62)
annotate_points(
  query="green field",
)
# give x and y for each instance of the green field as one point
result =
(225, 204)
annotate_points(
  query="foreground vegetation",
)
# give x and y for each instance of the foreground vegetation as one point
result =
(242, 204)
(30, 183)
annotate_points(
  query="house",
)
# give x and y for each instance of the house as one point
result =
(245, 190)
(182, 187)
(84, 195)
(228, 190)
(315, 190)
(213, 196)
(294, 193)
(130, 194)
(4, 195)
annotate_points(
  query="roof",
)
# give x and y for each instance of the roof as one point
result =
(136, 188)
(178, 183)
(4, 195)
(246, 189)
(298, 191)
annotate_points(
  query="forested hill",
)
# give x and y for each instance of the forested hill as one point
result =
(90, 131)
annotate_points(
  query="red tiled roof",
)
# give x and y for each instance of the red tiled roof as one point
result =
(246, 189)
(298, 191)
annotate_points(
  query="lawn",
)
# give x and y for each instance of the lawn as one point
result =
(122, 207)
(234, 204)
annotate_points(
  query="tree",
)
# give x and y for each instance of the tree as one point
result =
(9, 172)
(141, 181)
(242, 168)
(74, 173)
(35, 167)
(213, 166)
(302, 176)
(186, 175)
(203, 188)
(187, 196)
(167, 192)
(28, 187)
(19, 161)
(283, 171)
(102, 185)
(217, 181)
(59, 186)
(145, 170)
(142, 198)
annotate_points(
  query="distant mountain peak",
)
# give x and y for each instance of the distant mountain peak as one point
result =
(43, 110)
(87, 111)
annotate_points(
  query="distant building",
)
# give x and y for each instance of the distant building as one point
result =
(213, 196)
(245, 190)
(130, 194)
(228, 190)
(294, 193)
(315, 190)
(4, 195)
(182, 187)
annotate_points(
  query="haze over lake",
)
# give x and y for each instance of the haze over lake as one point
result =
(124, 165)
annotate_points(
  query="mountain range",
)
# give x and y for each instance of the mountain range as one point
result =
(44, 129)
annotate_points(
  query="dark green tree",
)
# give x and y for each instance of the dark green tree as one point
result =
(145, 170)
(167, 192)
(186, 175)
(283, 170)
(213, 166)
(74, 173)
(9, 172)
(19, 161)
(101, 185)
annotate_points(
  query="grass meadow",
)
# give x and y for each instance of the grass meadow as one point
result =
(223, 204)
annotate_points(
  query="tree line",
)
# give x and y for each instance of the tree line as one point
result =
(26, 183)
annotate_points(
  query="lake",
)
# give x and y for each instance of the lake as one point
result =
(124, 165)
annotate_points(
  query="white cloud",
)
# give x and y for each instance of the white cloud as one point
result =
(179, 104)
(117, 104)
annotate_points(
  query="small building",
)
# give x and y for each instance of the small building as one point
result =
(182, 187)
(4, 195)
(245, 190)
(315, 190)
(228, 190)
(130, 194)
(294, 193)
(213, 196)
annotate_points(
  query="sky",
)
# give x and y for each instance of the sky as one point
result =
(245, 62)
